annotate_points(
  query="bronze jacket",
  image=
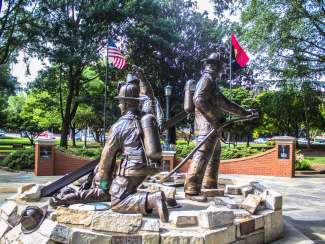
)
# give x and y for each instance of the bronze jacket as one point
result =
(125, 138)
(210, 104)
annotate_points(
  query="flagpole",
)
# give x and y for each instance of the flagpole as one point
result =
(105, 94)
(230, 85)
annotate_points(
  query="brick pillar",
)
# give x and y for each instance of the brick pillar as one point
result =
(286, 147)
(44, 157)
(168, 159)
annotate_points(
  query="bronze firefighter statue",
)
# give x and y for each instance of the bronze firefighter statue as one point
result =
(137, 140)
(209, 105)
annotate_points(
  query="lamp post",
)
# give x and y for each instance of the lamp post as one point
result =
(168, 93)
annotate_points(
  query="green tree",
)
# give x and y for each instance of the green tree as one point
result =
(15, 23)
(7, 87)
(286, 36)
(33, 113)
(70, 34)
(244, 98)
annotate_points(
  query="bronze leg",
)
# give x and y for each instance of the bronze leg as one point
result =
(195, 173)
(124, 195)
(210, 179)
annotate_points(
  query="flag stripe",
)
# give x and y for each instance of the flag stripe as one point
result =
(115, 55)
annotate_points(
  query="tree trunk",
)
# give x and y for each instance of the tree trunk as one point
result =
(73, 135)
(85, 138)
(247, 140)
(71, 104)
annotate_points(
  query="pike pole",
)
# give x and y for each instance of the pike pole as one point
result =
(213, 131)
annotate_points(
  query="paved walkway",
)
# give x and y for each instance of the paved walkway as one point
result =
(304, 198)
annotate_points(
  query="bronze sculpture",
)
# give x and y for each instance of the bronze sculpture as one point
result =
(149, 103)
(209, 105)
(89, 190)
(119, 182)
(125, 136)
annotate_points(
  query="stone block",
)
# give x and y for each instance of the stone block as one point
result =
(276, 225)
(213, 192)
(35, 237)
(273, 225)
(73, 216)
(259, 222)
(273, 200)
(226, 201)
(9, 208)
(175, 236)
(54, 231)
(233, 189)
(116, 222)
(4, 227)
(247, 190)
(126, 239)
(255, 237)
(251, 203)
(184, 218)
(25, 187)
(241, 213)
(8, 212)
(150, 237)
(215, 217)
(13, 235)
(222, 235)
(169, 191)
(225, 181)
(246, 226)
(150, 224)
(81, 236)
(32, 195)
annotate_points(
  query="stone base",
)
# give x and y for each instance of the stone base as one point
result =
(220, 220)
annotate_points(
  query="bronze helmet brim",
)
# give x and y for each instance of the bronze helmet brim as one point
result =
(128, 98)
(140, 98)
(44, 211)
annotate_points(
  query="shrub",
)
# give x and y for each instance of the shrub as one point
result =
(239, 152)
(20, 160)
(82, 152)
(301, 163)
(183, 149)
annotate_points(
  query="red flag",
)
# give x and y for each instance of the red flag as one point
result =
(239, 53)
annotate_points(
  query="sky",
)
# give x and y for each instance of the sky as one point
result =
(19, 69)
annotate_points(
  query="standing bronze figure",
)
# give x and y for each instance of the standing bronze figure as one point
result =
(126, 137)
(149, 103)
(209, 104)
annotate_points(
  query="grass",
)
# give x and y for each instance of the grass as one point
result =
(12, 140)
(315, 159)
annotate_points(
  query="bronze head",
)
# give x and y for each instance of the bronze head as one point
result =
(128, 97)
(215, 63)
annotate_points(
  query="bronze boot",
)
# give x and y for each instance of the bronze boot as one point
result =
(157, 201)
(196, 198)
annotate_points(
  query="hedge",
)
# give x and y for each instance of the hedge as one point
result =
(19, 160)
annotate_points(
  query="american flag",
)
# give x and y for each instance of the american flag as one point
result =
(115, 55)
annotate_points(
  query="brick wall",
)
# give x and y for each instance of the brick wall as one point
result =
(64, 163)
(266, 163)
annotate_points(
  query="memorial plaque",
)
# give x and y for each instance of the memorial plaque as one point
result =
(283, 151)
(45, 152)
